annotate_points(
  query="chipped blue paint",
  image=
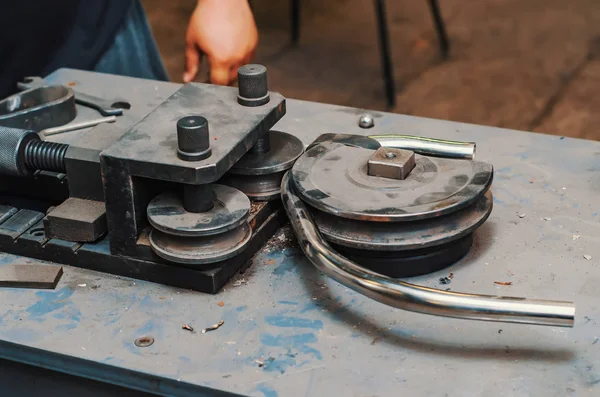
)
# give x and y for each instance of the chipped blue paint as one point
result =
(282, 363)
(113, 360)
(58, 304)
(241, 308)
(311, 305)
(22, 335)
(130, 346)
(266, 390)
(595, 214)
(283, 268)
(293, 342)
(293, 322)
(7, 259)
(153, 327)
(287, 302)
(50, 301)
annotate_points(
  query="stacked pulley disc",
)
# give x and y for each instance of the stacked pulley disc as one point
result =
(258, 174)
(198, 238)
(398, 216)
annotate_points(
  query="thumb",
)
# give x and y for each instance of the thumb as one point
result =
(192, 62)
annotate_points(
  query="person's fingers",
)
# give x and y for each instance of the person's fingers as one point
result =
(233, 74)
(192, 62)
(238, 64)
(219, 74)
(248, 58)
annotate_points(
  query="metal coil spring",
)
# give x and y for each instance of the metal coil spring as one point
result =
(46, 156)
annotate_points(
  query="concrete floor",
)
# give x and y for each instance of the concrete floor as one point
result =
(529, 65)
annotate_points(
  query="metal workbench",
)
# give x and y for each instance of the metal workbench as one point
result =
(290, 331)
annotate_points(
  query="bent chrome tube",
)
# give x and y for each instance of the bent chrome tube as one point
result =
(428, 146)
(412, 297)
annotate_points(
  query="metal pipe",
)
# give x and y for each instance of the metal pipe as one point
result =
(428, 146)
(77, 126)
(412, 297)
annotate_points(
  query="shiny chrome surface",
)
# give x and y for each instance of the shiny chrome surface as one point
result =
(428, 146)
(77, 126)
(412, 297)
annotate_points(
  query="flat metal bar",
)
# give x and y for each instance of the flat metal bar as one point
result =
(30, 276)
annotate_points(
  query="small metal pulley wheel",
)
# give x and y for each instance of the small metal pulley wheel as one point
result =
(167, 214)
(258, 174)
(283, 151)
(256, 187)
(193, 251)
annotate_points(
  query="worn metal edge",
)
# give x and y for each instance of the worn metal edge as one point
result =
(105, 373)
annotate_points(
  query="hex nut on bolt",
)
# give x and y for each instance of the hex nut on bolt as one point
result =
(193, 138)
(252, 84)
(391, 163)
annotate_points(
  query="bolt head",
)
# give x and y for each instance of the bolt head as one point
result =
(391, 163)
(144, 341)
(193, 138)
(366, 121)
(252, 85)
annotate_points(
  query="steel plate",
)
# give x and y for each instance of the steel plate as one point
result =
(166, 213)
(333, 178)
(388, 236)
(200, 250)
(285, 149)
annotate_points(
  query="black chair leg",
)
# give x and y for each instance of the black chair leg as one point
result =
(386, 59)
(295, 14)
(440, 27)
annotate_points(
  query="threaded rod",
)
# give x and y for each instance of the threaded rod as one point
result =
(45, 156)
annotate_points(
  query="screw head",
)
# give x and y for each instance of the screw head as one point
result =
(144, 341)
(366, 121)
(391, 163)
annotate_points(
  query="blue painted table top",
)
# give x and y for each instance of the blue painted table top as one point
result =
(290, 331)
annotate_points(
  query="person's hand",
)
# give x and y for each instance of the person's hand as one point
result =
(225, 32)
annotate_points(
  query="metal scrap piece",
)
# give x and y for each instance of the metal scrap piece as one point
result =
(213, 327)
(30, 276)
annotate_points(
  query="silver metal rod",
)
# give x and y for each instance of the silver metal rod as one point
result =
(77, 126)
(428, 146)
(412, 297)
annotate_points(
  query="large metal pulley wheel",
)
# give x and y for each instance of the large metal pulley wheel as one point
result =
(392, 210)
